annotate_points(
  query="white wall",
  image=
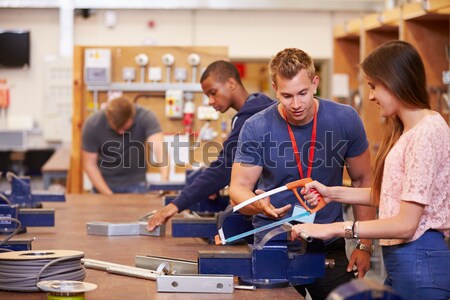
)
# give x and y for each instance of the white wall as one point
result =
(248, 34)
(26, 85)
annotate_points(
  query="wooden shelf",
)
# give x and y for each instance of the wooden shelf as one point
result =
(430, 33)
(423, 24)
(350, 29)
(418, 9)
(146, 87)
(387, 20)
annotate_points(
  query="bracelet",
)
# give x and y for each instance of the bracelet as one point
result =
(348, 230)
(365, 247)
(356, 230)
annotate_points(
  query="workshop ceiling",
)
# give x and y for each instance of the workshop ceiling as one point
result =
(268, 5)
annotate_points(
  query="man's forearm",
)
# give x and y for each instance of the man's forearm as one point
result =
(97, 180)
(239, 195)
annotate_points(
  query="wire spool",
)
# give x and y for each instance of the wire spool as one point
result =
(66, 289)
(20, 271)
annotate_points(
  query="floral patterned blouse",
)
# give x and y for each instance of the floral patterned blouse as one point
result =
(417, 169)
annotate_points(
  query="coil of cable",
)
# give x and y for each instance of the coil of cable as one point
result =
(20, 271)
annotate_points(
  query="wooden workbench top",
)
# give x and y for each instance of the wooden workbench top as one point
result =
(58, 162)
(69, 233)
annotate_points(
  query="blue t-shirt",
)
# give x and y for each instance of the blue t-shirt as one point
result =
(264, 141)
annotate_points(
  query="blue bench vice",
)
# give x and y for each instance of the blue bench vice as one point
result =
(271, 267)
(26, 207)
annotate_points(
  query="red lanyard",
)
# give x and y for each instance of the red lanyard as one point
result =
(295, 147)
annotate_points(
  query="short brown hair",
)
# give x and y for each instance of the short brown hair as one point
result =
(119, 111)
(288, 62)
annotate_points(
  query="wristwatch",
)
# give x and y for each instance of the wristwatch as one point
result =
(348, 230)
(366, 248)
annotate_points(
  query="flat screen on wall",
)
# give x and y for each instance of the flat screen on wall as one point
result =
(14, 48)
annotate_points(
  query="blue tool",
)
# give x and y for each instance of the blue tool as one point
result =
(271, 267)
(28, 217)
(21, 194)
(22, 209)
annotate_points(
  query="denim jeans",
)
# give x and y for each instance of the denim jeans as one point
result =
(419, 270)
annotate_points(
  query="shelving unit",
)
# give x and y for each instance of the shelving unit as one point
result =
(429, 33)
(347, 48)
(424, 24)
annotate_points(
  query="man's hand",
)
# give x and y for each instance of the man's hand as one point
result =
(162, 216)
(268, 209)
(360, 259)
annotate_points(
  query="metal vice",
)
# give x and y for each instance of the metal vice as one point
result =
(271, 267)
(21, 194)
(22, 209)
(15, 220)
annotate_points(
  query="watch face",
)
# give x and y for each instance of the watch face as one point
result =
(365, 247)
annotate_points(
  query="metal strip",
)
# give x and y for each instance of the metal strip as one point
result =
(222, 284)
(121, 269)
(121, 229)
(174, 266)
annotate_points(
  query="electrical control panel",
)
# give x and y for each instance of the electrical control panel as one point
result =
(174, 104)
(97, 66)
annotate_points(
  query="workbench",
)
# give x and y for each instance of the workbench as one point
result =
(56, 167)
(69, 233)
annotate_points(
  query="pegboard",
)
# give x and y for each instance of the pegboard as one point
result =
(87, 98)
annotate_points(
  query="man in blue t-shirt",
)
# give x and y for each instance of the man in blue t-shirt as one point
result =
(326, 136)
(222, 84)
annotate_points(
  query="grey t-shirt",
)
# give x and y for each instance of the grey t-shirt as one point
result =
(121, 158)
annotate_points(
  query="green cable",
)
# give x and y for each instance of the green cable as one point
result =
(78, 296)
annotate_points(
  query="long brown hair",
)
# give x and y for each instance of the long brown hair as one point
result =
(396, 65)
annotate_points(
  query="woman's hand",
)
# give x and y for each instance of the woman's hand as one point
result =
(313, 190)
